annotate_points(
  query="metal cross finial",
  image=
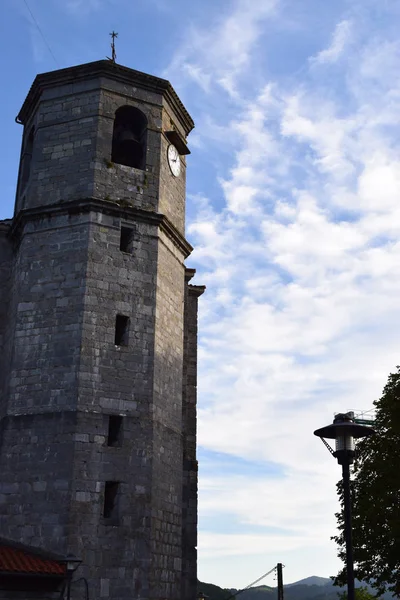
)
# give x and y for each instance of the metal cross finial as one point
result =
(113, 55)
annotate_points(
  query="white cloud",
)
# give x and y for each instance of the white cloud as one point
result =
(340, 39)
(313, 122)
(216, 55)
(379, 183)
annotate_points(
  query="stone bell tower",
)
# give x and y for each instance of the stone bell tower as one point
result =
(98, 328)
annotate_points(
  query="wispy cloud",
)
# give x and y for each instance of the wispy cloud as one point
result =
(218, 53)
(340, 39)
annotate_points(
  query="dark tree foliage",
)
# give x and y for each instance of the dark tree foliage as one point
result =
(361, 593)
(376, 499)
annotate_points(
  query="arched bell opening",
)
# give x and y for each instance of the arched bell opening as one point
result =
(129, 138)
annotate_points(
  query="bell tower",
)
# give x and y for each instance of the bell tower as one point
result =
(98, 406)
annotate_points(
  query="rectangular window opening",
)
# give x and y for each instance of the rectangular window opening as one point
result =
(121, 330)
(114, 430)
(126, 240)
(110, 499)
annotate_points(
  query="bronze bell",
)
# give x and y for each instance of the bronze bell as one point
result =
(127, 148)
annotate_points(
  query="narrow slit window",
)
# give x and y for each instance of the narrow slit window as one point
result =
(121, 330)
(110, 499)
(114, 430)
(126, 240)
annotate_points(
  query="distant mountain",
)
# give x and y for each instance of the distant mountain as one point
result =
(310, 588)
(213, 592)
(313, 580)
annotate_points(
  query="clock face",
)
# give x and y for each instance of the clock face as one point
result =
(174, 161)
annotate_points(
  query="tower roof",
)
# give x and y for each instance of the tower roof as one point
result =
(104, 68)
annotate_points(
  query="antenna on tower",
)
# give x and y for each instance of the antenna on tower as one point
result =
(113, 53)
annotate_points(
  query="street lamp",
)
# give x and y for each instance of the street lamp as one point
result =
(71, 563)
(344, 430)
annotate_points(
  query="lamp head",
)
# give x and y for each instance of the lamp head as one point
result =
(72, 563)
(344, 430)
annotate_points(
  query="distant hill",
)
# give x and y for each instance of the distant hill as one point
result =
(314, 580)
(310, 588)
(213, 592)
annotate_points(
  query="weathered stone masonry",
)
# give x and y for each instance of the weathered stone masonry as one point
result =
(65, 282)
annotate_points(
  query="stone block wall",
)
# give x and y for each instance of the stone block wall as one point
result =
(48, 299)
(40, 380)
(129, 186)
(117, 380)
(189, 428)
(172, 190)
(6, 265)
(167, 415)
(36, 470)
(67, 378)
(63, 148)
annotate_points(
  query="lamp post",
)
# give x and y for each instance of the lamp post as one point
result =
(344, 430)
(71, 563)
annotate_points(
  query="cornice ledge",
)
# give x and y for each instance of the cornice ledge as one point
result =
(5, 225)
(107, 207)
(196, 290)
(176, 236)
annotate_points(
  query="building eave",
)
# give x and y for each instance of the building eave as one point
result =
(17, 559)
(104, 68)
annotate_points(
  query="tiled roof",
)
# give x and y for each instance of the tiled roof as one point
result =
(16, 558)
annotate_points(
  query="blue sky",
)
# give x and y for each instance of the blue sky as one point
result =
(294, 212)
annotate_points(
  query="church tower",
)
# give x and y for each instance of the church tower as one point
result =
(98, 334)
